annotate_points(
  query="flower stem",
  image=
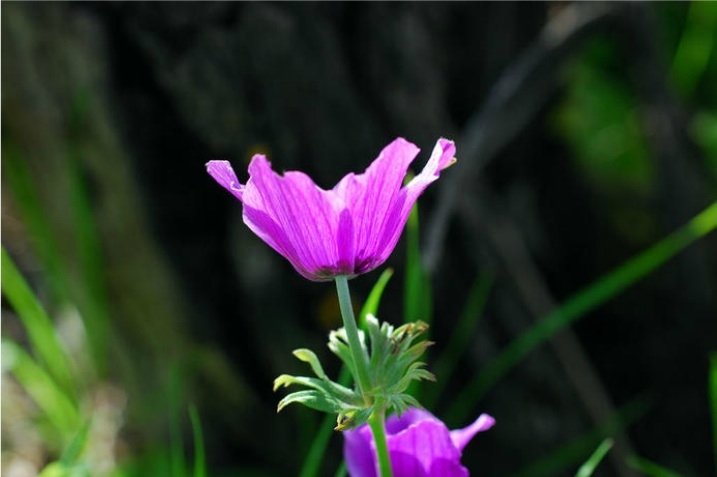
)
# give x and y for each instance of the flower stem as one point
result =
(358, 351)
(359, 355)
(376, 423)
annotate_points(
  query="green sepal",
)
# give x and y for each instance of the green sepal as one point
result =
(308, 356)
(324, 394)
(338, 345)
(313, 399)
(325, 385)
(353, 418)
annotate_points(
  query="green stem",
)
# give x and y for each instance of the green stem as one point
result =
(360, 358)
(376, 423)
(358, 351)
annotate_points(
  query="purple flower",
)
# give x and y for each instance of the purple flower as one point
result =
(348, 230)
(420, 445)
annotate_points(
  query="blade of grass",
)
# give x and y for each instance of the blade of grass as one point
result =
(315, 456)
(579, 305)
(692, 56)
(588, 468)
(417, 292)
(200, 463)
(93, 290)
(568, 455)
(370, 306)
(649, 468)
(713, 403)
(176, 444)
(71, 454)
(461, 337)
(40, 328)
(16, 171)
(341, 471)
(58, 469)
(60, 410)
(418, 300)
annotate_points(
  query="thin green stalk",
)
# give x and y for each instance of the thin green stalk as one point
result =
(378, 429)
(360, 362)
(358, 352)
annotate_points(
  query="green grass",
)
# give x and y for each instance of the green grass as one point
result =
(569, 454)
(650, 469)
(713, 404)
(576, 307)
(588, 468)
(43, 339)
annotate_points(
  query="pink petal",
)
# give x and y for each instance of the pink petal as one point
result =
(461, 437)
(412, 415)
(359, 452)
(307, 215)
(441, 157)
(223, 173)
(447, 468)
(371, 195)
(427, 441)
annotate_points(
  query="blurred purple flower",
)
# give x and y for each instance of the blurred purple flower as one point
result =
(420, 445)
(348, 230)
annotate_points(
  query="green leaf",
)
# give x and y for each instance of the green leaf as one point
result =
(587, 469)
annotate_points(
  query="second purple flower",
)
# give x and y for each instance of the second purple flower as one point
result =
(348, 230)
(420, 445)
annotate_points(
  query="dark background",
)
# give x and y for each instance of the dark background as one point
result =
(581, 141)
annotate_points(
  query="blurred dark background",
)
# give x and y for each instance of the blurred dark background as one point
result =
(585, 133)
